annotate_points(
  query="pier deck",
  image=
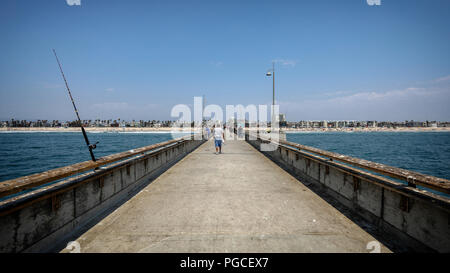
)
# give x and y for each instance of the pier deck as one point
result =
(238, 201)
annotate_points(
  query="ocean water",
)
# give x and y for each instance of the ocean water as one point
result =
(423, 152)
(25, 153)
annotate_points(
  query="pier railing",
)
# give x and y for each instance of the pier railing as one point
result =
(412, 179)
(24, 183)
(412, 207)
(41, 211)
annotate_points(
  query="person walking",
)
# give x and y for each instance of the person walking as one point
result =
(219, 138)
(240, 132)
(207, 132)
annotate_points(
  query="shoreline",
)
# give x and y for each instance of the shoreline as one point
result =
(180, 130)
(92, 129)
(350, 130)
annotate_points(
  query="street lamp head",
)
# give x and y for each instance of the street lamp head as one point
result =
(268, 74)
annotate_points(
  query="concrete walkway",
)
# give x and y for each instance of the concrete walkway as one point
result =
(239, 201)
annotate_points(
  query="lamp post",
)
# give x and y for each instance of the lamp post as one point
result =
(268, 74)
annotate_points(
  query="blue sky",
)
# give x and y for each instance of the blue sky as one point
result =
(335, 60)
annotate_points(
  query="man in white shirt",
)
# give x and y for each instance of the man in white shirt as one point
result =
(219, 137)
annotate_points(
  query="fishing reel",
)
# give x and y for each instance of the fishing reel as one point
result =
(93, 146)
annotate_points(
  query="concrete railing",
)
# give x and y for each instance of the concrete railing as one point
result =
(416, 218)
(49, 212)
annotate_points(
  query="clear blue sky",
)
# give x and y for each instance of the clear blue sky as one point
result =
(137, 59)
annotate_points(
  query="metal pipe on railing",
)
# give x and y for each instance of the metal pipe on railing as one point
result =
(411, 177)
(16, 185)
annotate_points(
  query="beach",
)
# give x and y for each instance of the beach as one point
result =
(369, 129)
(169, 129)
(91, 129)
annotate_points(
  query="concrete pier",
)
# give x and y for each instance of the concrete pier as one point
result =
(238, 201)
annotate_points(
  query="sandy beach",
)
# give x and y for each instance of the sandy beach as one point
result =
(169, 129)
(370, 129)
(90, 129)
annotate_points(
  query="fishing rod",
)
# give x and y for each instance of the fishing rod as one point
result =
(90, 146)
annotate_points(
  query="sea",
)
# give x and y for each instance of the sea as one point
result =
(25, 153)
(423, 152)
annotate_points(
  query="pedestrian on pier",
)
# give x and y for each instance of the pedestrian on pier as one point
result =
(219, 138)
(240, 132)
(207, 132)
